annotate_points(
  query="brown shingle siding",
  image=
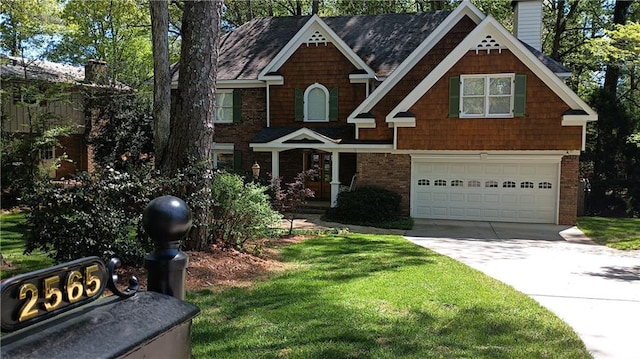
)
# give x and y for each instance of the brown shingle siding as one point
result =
(310, 64)
(540, 129)
(413, 78)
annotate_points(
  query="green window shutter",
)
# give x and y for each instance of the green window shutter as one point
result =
(333, 105)
(299, 104)
(237, 106)
(454, 96)
(520, 98)
(237, 160)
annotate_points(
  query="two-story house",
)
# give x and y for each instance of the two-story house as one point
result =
(37, 93)
(462, 118)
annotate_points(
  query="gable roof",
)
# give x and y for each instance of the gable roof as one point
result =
(381, 41)
(326, 138)
(361, 116)
(316, 31)
(580, 112)
(14, 67)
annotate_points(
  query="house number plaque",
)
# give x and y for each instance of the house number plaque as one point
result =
(33, 297)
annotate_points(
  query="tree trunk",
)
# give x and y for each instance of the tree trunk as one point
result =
(612, 74)
(560, 26)
(610, 164)
(315, 7)
(191, 136)
(161, 80)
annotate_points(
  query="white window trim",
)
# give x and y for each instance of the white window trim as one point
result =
(48, 151)
(221, 148)
(306, 102)
(228, 92)
(486, 96)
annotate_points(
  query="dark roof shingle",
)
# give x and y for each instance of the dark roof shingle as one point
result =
(14, 67)
(381, 41)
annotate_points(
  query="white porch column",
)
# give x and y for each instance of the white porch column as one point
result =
(275, 164)
(335, 177)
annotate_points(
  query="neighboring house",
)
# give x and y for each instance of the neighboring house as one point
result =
(462, 118)
(21, 78)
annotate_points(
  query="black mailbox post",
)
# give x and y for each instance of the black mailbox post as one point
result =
(167, 220)
(58, 312)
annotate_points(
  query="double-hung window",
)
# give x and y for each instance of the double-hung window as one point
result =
(228, 106)
(224, 106)
(224, 156)
(487, 95)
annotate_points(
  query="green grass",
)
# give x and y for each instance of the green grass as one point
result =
(12, 233)
(620, 233)
(368, 296)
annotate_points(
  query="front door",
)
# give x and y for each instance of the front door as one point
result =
(320, 182)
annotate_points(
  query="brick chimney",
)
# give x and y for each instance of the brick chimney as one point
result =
(95, 71)
(527, 22)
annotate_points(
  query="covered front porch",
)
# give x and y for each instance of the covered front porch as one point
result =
(324, 150)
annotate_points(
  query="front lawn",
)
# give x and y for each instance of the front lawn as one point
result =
(369, 296)
(620, 233)
(12, 233)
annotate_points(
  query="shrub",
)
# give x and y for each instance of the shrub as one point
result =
(101, 216)
(366, 205)
(288, 200)
(241, 212)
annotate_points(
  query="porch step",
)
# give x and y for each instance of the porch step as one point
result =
(315, 207)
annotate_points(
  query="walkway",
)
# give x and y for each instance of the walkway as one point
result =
(594, 289)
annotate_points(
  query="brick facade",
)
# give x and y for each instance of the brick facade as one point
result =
(540, 129)
(75, 148)
(253, 119)
(568, 208)
(392, 172)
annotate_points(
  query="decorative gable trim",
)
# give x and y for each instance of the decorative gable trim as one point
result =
(317, 38)
(490, 26)
(308, 138)
(466, 8)
(303, 134)
(488, 43)
(314, 31)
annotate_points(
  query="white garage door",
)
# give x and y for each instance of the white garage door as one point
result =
(508, 192)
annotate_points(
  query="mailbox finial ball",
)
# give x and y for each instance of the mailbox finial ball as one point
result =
(167, 219)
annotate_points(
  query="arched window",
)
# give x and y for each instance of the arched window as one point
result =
(316, 103)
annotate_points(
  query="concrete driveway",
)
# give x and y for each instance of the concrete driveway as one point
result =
(595, 289)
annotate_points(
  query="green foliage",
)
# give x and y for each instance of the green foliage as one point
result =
(241, 211)
(368, 296)
(612, 161)
(95, 217)
(29, 25)
(620, 45)
(122, 135)
(366, 205)
(117, 32)
(22, 163)
(289, 199)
